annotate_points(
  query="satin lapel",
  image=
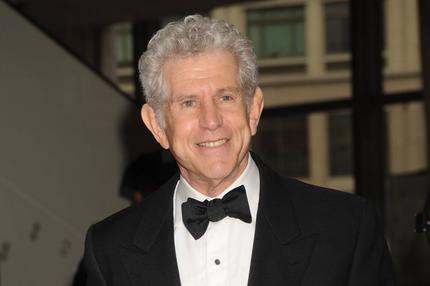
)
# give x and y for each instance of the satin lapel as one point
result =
(281, 251)
(150, 259)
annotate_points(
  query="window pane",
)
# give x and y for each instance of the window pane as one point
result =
(277, 32)
(406, 138)
(404, 197)
(282, 142)
(406, 188)
(340, 134)
(123, 44)
(337, 27)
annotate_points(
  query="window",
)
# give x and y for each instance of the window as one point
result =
(282, 142)
(123, 44)
(340, 134)
(337, 27)
(277, 33)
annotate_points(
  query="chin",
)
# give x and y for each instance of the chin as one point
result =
(219, 170)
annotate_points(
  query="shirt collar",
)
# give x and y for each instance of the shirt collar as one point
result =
(250, 179)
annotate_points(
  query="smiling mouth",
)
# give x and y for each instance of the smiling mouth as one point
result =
(212, 144)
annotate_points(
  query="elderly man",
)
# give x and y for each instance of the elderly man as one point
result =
(227, 218)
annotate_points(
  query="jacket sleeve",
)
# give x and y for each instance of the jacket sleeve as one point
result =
(372, 264)
(94, 274)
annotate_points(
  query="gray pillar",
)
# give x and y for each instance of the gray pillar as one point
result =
(424, 27)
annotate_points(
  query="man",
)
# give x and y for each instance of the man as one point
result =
(227, 218)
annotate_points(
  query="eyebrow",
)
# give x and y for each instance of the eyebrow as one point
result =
(230, 89)
(180, 98)
(183, 97)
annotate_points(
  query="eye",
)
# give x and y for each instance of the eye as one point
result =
(226, 97)
(188, 103)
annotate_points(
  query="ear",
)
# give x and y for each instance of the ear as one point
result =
(256, 109)
(151, 122)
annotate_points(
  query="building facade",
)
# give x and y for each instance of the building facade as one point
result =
(304, 57)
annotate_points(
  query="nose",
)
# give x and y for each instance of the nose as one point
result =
(210, 116)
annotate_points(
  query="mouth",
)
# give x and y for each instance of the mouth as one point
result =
(212, 144)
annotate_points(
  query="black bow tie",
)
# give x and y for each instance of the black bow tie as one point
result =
(196, 214)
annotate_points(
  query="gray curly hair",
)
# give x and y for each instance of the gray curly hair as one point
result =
(194, 34)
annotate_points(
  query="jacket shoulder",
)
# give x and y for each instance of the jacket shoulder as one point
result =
(317, 194)
(324, 208)
(121, 227)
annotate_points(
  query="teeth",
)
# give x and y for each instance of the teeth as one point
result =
(212, 144)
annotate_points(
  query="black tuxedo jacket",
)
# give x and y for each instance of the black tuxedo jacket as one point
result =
(305, 235)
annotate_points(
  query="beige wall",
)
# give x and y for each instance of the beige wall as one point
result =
(62, 154)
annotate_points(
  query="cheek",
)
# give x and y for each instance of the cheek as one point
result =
(181, 134)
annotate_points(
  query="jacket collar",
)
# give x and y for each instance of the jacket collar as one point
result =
(276, 222)
(275, 205)
(158, 209)
(150, 259)
(281, 250)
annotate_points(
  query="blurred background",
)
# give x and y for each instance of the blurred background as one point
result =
(346, 87)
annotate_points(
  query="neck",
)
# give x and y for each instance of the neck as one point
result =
(214, 186)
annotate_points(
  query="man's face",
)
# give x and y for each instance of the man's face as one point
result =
(207, 127)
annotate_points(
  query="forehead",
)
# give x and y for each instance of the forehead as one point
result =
(208, 70)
